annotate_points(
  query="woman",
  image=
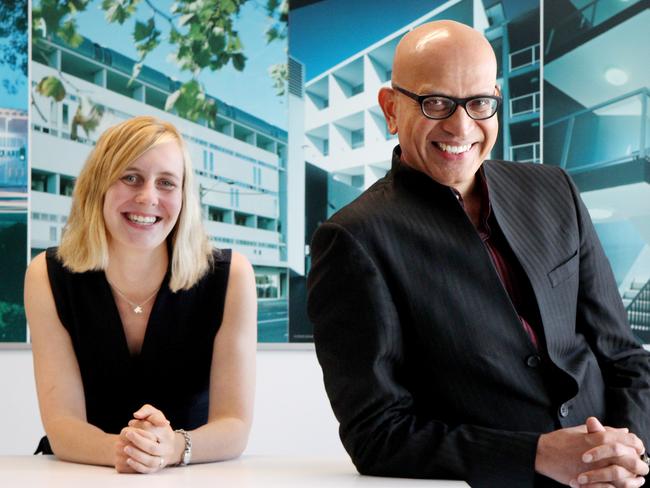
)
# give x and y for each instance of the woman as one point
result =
(138, 326)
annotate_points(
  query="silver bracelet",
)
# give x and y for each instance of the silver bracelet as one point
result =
(187, 451)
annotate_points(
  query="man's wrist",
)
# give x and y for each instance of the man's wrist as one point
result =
(540, 453)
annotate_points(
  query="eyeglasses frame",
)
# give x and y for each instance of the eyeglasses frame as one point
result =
(457, 101)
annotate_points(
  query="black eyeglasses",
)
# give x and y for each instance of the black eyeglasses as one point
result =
(439, 107)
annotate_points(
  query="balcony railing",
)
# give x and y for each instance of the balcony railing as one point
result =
(588, 17)
(607, 134)
(526, 153)
(524, 57)
(524, 104)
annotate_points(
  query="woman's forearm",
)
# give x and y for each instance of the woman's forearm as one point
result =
(78, 441)
(218, 440)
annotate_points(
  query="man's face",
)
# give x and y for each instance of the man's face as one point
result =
(449, 150)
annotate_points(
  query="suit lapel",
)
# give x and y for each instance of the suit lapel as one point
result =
(516, 217)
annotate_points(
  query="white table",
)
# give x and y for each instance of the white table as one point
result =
(247, 471)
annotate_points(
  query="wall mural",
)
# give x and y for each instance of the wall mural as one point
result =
(284, 128)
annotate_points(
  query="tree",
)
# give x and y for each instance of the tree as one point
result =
(13, 33)
(201, 32)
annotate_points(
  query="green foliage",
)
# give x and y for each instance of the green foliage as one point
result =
(56, 17)
(13, 32)
(147, 38)
(51, 86)
(68, 32)
(191, 102)
(279, 74)
(12, 322)
(87, 116)
(119, 10)
(278, 11)
(13, 241)
(201, 32)
(205, 35)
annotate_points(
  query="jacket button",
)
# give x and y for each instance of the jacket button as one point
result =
(564, 410)
(533, 361)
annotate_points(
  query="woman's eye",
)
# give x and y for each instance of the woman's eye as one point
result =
(130, 179)
(167, 184)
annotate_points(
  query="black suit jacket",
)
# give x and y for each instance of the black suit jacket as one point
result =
(427, 366)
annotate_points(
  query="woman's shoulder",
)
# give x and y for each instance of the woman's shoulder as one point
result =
(241, 272)
(230, 264)
(37, 269)
(239, 263)
(230, 259)
(39, 302)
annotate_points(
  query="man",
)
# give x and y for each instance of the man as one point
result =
(466, 318)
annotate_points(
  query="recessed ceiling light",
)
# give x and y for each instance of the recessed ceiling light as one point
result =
(616, 76)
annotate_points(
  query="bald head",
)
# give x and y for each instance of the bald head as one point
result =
(449, 62)
(439, 49)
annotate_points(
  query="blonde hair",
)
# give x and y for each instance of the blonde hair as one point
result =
(84, 244)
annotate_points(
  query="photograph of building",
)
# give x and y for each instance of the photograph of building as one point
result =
(240, 160)
(280, 155)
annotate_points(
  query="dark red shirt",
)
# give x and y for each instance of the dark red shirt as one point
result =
(507, 265)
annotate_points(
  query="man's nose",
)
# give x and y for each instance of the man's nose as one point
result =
(459, 123)
(147, 194)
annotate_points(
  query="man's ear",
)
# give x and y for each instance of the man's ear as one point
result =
(386, 99)
(497, 90)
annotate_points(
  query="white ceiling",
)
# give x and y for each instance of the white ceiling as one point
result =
(581, 72)
(619, 202)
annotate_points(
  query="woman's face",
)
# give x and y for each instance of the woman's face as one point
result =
(142, 206)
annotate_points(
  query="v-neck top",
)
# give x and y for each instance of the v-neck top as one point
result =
(172, 370)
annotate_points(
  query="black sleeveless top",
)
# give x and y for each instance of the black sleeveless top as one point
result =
(172, 370)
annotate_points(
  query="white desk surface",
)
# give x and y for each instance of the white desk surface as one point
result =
(247, 471)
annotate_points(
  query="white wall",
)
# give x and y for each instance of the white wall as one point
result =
(292, 413)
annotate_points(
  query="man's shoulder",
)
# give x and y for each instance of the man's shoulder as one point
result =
(524, 175)
(515, 167)
(367, 207)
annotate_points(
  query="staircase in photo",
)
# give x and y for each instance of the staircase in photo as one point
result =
(637, 304)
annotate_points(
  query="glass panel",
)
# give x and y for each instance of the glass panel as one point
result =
(525, 152)
(606, 135)
(522, 105)
(554, 137)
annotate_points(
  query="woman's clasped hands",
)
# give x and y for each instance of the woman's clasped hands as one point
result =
(148, 444)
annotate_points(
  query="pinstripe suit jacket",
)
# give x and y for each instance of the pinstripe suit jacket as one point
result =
(425, 362)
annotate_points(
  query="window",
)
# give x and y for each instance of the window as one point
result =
(216, 214)
(357, 89)
(42, 181)
(67, 186)
(265, 223)
(245, 220)
(356, 138)
(268, 285)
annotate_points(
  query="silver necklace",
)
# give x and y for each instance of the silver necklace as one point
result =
(137, 308)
